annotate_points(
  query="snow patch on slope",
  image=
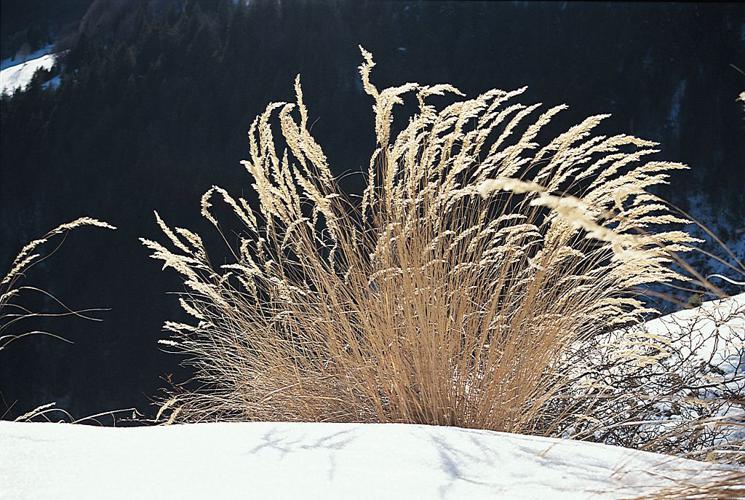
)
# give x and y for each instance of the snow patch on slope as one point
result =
(20, 75)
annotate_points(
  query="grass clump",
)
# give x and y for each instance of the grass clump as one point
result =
(454, 293)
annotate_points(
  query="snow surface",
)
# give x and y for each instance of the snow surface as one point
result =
(266, 460)
(20, 75)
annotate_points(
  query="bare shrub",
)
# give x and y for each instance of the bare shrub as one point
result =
(672, 385)
(456, 292)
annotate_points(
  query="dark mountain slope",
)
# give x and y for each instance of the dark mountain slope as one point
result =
(156, 98)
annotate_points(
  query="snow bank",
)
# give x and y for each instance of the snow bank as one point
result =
(20, 75)
(315, 460)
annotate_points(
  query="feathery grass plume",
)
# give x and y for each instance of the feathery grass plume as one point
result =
(11, 313)
(480, 253)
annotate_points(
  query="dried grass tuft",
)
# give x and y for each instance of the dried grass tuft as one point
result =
(726, 485)
(455, 293)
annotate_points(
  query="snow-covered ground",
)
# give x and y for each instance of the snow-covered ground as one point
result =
(313, 460)
(20, 75)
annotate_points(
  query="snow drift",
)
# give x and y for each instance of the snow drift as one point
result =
(314, 460)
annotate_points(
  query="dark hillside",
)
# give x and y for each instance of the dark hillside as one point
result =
(156, 98)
